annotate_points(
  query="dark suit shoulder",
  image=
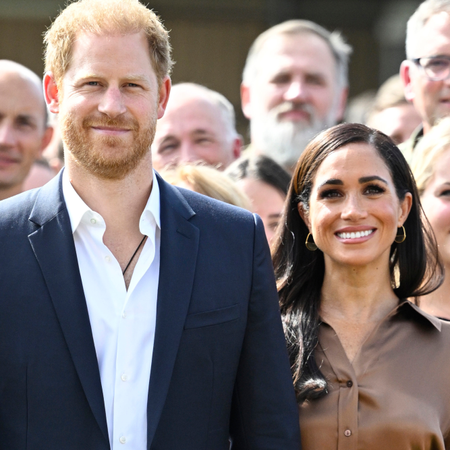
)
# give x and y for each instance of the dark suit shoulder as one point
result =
(33, 208)
(16, 210)
(215, 209)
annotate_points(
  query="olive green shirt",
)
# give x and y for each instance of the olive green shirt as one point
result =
(408, 146)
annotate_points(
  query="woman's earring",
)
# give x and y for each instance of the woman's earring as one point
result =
(401, 236)
(310, 245)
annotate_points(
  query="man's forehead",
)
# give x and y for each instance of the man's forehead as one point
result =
(20, 97)
(434, 38)
(303, 50)
(186, 110)
(92, 48)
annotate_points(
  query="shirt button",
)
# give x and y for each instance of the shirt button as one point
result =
(124, 377)
(348, 433)
(123, 440)
(124, 314)
(107, 259)
(349, 384)
(93, 221)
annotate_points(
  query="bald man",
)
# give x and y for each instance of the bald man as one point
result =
(198, 125)
(23, 125)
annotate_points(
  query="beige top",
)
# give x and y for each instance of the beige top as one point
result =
(395, 395)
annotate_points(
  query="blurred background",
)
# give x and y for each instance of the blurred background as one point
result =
(211, 38)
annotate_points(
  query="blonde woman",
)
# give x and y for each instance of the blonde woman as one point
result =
(431, 167)
(207, 181)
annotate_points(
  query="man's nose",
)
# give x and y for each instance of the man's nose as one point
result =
(112, 103)
(296, 91)
(7, 134)
(188, 153)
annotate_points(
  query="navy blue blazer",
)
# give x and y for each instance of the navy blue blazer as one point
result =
(219, 372)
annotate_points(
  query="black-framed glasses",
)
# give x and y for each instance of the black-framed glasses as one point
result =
(436, 68)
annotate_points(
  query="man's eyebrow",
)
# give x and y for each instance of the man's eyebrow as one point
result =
(372, 178)
(168, 137)
(200, 131)
(26, 117)
(136, 77)
(93, 75)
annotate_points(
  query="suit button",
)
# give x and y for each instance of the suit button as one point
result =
(349, 383)
(123, 440)
(347, 433)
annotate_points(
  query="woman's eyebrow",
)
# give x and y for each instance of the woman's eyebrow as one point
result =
(333, 181)
(372, 178)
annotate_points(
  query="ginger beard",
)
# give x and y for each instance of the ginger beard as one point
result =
(107, 157)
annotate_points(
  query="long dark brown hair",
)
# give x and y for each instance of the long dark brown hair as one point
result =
(300, 272)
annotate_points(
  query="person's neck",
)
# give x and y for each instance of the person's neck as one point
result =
(119, 202)
(438, 302)
(356, 295)
(10, 191)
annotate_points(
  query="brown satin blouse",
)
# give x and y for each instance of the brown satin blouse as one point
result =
(395, 395)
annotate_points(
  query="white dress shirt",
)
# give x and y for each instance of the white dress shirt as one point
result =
(122, 321)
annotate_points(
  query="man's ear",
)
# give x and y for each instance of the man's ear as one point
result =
(237, 146)
(51, 92)
(48, 134)
(304, 215)
(405, 76)
(164, 92)
(245, 101)
(342, 104)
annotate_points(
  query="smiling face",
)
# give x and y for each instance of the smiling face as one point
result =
(431, 98)
(193, 129)
(108, 104)
(23, 131)
(436, 204)
(295, 72)
(354, 211)
(294, 96)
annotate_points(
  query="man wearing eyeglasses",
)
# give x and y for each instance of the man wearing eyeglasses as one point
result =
(426, 71)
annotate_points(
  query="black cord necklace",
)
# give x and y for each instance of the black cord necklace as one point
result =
(134, 254)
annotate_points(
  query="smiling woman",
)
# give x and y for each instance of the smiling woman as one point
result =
(431, 166)
(354, 246)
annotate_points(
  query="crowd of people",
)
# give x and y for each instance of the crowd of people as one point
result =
(164, 286)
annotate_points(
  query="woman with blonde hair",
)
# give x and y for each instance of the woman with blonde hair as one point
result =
(431, 168)
(207, 181)
(370, 368)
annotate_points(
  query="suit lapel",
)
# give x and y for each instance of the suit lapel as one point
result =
(54, 248)
(179, 247)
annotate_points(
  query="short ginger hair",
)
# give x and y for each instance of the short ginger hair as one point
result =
(105, 17)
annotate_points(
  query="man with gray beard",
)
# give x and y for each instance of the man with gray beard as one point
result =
(294, 86)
